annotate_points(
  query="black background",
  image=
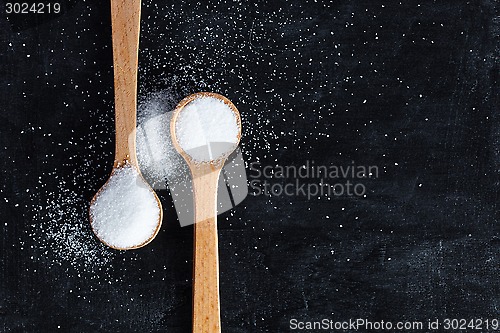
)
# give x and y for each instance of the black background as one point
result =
(409, 86)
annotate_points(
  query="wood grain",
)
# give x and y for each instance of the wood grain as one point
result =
(125, 20)
(206, 307)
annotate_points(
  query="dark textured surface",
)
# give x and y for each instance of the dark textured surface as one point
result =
(410, 87)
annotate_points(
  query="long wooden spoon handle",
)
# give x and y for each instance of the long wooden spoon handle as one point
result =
(206, 308)
(125, 22)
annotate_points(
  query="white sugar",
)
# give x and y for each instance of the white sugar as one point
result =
(158, 160)
(207, 129)
(126, 212)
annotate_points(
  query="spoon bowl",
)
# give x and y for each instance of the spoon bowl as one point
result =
(222, 149)
(132, 231)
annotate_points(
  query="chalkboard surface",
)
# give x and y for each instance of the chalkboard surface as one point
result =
(408, 88)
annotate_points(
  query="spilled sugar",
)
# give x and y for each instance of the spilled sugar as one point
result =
(60, 228)
(62, 233)
(125, 214)
(207, 129)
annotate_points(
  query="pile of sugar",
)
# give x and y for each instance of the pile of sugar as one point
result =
(125, 214)
(207, 129)
(159, 162)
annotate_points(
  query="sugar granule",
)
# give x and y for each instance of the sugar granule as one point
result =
(207, 129)
(125, 214)
(158, 160)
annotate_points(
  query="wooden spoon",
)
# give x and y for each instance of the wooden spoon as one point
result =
(125, 23)
(206, 307)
